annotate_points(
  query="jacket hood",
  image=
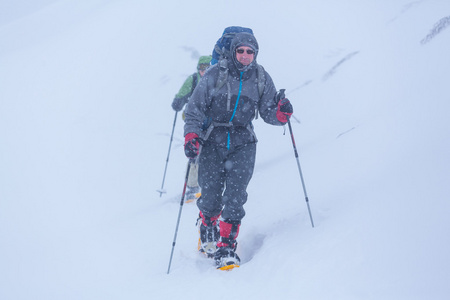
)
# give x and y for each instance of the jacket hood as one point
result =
(243, 39)
(204, 61)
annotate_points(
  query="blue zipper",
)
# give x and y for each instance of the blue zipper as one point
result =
(235, 108)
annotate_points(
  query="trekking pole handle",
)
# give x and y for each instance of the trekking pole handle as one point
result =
(280, 95)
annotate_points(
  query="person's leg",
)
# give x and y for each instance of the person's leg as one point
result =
(192, 188)
(239, 167)
(211, 178)
(193, 175)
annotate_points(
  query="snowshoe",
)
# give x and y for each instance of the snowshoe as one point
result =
(226, 259)
(192, 194)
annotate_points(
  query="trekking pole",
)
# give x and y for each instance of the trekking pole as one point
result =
(179, 213)
(182, 202)
(300, 170)
(161, 191)
(281, 96)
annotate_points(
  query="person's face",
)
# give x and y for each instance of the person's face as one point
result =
(245, 55)
(202, 69)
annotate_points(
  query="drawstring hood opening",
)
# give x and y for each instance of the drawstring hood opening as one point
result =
(244, 39)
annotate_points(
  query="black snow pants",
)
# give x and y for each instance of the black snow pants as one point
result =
(223, 177)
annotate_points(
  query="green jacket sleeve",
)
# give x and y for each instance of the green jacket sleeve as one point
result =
(183, 94)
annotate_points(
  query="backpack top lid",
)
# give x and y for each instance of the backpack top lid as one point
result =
(222, 46)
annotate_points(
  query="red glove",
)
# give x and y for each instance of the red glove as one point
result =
(285, 110)
(191, 145)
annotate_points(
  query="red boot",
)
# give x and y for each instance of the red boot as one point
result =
(225, 256)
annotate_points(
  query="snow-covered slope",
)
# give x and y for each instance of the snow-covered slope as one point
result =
(85, 123)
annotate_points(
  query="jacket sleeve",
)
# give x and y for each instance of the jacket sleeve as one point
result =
(267, 104)
(196, 108)
(183, 94)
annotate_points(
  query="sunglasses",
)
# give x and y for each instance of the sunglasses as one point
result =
(203, 67)
(241, 51)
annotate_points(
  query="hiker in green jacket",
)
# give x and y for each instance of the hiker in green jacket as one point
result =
(181, 99)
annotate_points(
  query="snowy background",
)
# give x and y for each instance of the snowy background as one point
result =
(85, 123)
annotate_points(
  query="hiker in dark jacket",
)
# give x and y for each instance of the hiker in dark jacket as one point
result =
(222, 46)
(218, 117)
(181, 98)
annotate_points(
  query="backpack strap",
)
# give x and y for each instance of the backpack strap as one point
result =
(223, 79)
(223, 76)
(261, 82)
(223, 73)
